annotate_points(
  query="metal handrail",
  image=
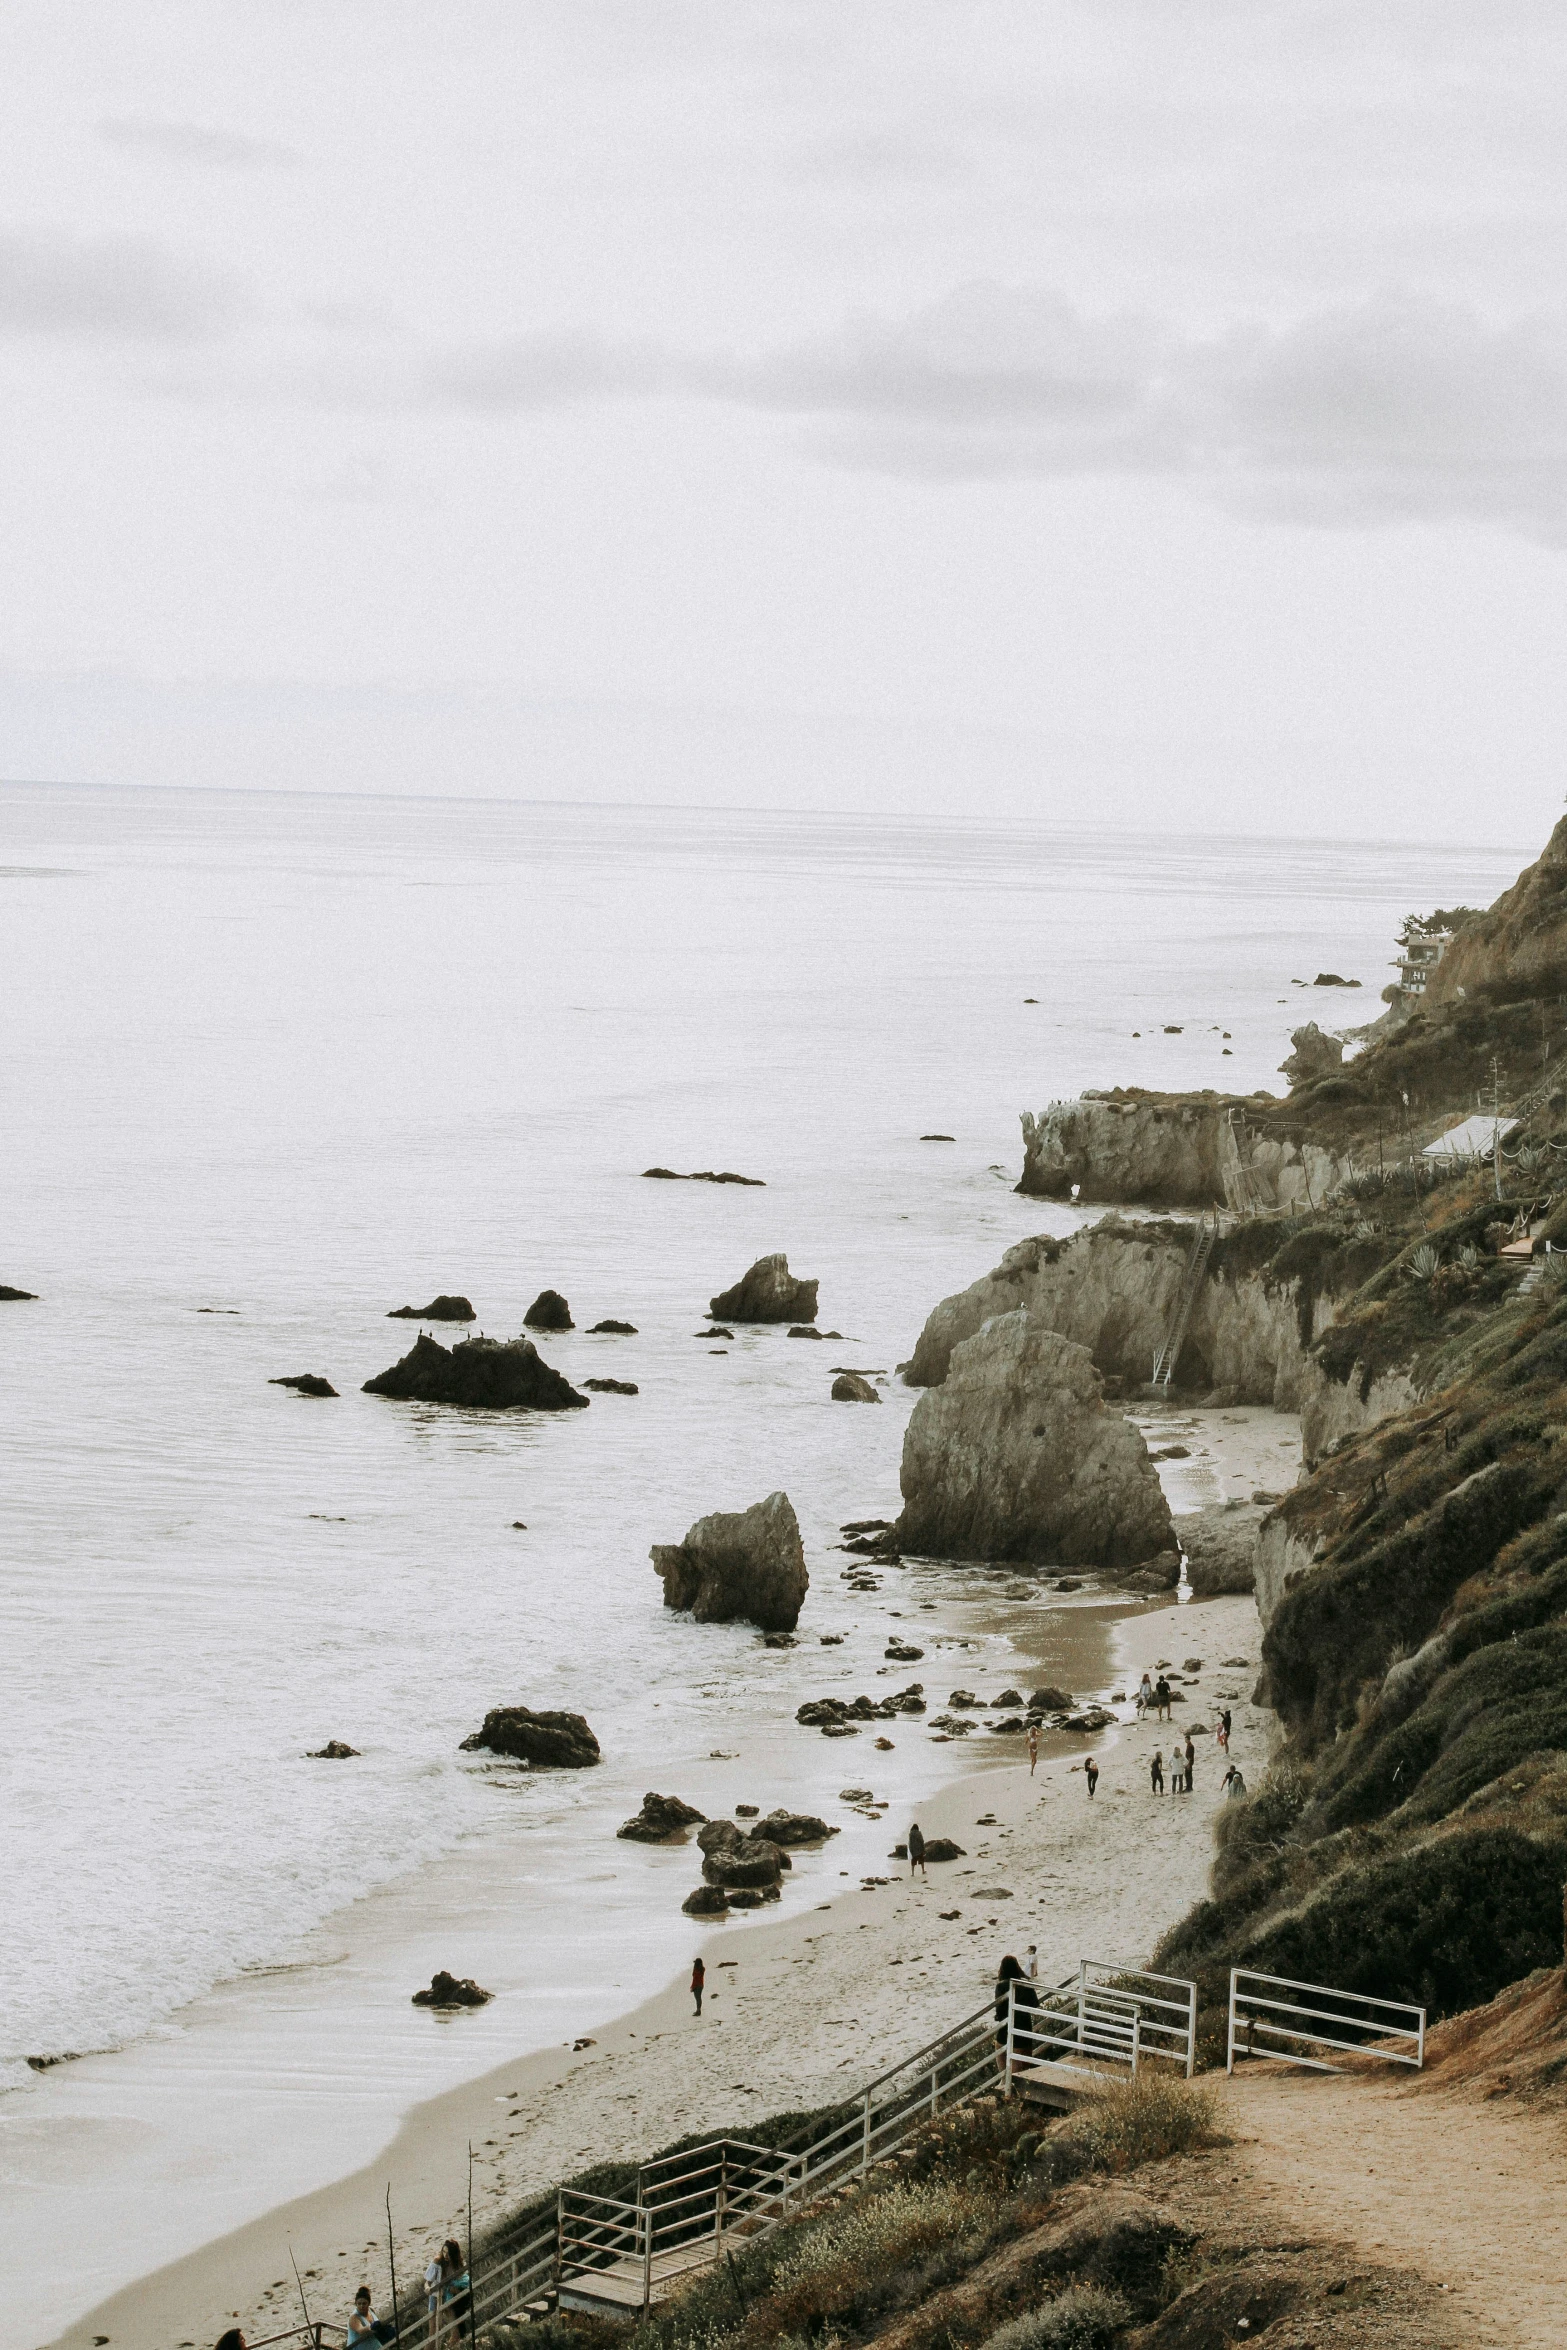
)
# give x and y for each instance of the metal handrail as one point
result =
(1261, 2009)
(1184, 2034)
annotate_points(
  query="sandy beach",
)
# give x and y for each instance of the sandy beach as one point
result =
(799, 2011)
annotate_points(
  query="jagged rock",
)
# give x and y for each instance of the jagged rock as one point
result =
(943, 1848)
(719, 1836)
(1315, 1055)
(849, 1387)
(549, 1311)
(704, 1175)
(553, 1741)
(1050, 1701)
(661, 1817)
(768, 1293)
(1162, 1150)
(738, 1565)
(452, 1991)
(804, 1330)
(757, 1864)
(613, 1330)
(9, 1296)
(489, 1374)
(792, 1827)
(439, 1309)
(1221, 1547)
(1011, 1724)
(1015, 1456)
(1156, 1574)
(333, 1751)
(779, 1640)
(902, 1652)
(1332, 979)
(962, 1697)
(1008, 1697)
(307, 1383)
(612, 1386)
(707, 1901)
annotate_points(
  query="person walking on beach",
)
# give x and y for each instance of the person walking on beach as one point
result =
(1031, 1962)
(1221, 1736)
(917, 1852)
(1156, 1772)
(698, 1982)
(1091, 1774)
(1162, 1698)
(1033, 1748)
(1191, 1758)
(1233, 1785)
(1144, 1695)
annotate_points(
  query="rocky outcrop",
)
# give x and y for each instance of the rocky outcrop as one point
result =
(439, 1309)
(333, 1751)
(452, 1991)
(549, 1311)
(743, 1864)
(703, 1175)
(849, 1387)
(791, 1827)
(707, 1901)
(306, 1383)
(1171, 1150)
(1221, 1547)
(745, 1566)
(1015, 1456)
(768, 1293)
(9, 1296)
(1332, 1409)
(661, 1817)
(613, 1330)
(486, 1374)
(1284, 1559)
(611, 1386)
(550, 1741)
(1521, 941)
(1314, 1055)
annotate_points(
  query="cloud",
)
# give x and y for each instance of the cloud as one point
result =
(195, 142)
(112, 288)
(562, 370)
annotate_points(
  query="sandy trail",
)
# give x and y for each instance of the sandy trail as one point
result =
(798, 2012)
(1468, 2192)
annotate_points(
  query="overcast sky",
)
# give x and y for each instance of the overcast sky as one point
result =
(1155, 412)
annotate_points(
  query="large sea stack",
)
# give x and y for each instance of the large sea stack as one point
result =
(768, 1293)
(488, 1374)
(739, 1565)
(1015, 1456)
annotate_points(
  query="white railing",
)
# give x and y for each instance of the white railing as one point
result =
(1077, 2028)
(1169, 2023)
(1260, 2015)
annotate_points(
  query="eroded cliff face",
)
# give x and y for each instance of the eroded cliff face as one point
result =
(1017, 1456)
(1180, 1151)
(1521, 940)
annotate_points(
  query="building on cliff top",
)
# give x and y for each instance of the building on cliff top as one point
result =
(1420, 951)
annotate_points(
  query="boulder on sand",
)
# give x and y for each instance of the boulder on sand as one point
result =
(943, 1848)
(768, 1293)
(1016, 1456)
(488, 1374)
(549, 1311)
(748, 1864)
(560, 1742)
(307, 1383)
(661, 1816)
(738, 1565)
(849, 1387)
(439, 1309)
(452, 1991)
(1156, 1574)
(1221, 1547)
(792, 1827)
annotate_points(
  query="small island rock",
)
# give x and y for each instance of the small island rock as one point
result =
(549, 1311)
(452, 1991)
(488, 1374)
(661, 1817)
(550, 1741)
(738, 1565)
(849, 1387)
(791, 1827)
(708, 1901)
(307, 1383)
(767, 1293)
(612, 1386)
(333, 1751)
(439, 1309)
(18, 1296)
(613, 1330)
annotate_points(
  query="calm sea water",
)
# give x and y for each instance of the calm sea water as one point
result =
(299, 1060)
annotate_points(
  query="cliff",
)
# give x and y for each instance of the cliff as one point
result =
(1128, 1147)
(1520, 943)
(1015, 1456)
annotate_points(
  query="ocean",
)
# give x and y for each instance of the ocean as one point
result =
(275, 1064)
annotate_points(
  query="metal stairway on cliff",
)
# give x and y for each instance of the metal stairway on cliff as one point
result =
(1165, 1360)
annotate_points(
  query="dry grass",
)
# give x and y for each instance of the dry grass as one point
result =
(1145, 2118)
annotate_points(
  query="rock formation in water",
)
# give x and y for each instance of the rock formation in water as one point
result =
(768, 1293)
(10, 1296)
(1314, 1055)
(791, 1827)
(488, 1374)
(661, 1817)
(1015, 1456)
(1221, 1547)
(439, 1309)
(611, 1386)
(306, 1383)
(452, 1991)
(613, 1330)
(744, 1566)
(549, 1741)
(549, 1311)
(853, 1387)
(703, 1175)
(334, 1751)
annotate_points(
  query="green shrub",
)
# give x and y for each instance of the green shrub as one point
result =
(1143, 2118)
(1084, 2317)
(1445, 1925)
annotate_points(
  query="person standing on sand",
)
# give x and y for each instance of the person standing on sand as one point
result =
(1091, 1774)
(698, 1982)
(1033, 1747)
(917, 1852)
(1144, 1695)
(1221, 1736)
(1162, 1698)
(1031, 1962)
(1191, 1758)
(1156, 1772)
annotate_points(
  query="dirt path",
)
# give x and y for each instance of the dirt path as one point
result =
(1470, 2193)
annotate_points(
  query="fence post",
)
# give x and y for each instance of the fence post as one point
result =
(1420, 2047)
(1191, 2031)
(1011, 2040)
(1137, 2038)
(1229, 2053)
(646, 2218)
(865, 2142)
(720, 2201)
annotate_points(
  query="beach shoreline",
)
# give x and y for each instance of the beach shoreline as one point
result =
(801, 2009)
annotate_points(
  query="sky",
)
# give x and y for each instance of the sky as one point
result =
(1150, 414)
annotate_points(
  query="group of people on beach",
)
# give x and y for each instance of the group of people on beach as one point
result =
(448, 2306)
